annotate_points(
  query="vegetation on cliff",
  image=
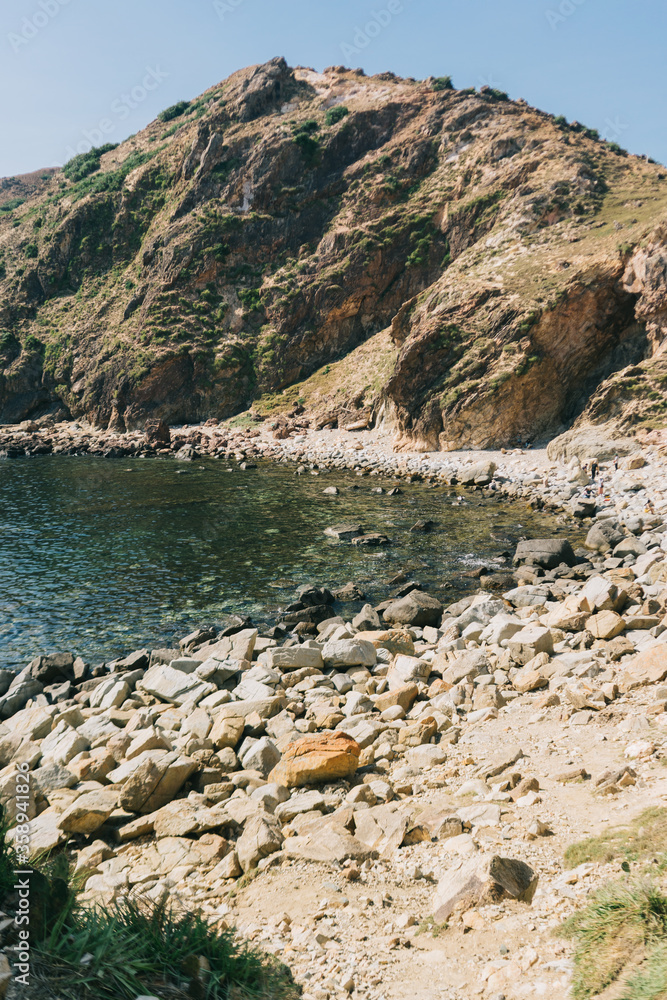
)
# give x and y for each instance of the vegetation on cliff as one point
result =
(509, 266)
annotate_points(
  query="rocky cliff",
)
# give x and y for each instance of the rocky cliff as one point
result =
(462, 266)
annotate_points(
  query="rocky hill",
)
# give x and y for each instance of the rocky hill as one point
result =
(461, 266)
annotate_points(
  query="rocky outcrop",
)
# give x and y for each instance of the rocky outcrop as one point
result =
(452, 264)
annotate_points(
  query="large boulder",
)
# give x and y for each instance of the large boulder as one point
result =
(483, 880)
(603, 536)
(349, 653)
(650, 667)
(89, 811)
(156, 780)
(416, 608)
(479, 474)
(314, 759)
(175, 686)
(545, 552)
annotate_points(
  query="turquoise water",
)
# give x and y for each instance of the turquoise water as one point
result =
(102, 556)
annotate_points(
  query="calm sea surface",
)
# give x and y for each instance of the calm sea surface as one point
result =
(102, 556)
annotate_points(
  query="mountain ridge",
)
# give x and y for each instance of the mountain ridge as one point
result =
(500, 273)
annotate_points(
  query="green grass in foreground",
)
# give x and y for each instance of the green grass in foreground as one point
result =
(621, 937)
(131, 948)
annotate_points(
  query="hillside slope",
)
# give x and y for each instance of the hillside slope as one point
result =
(510, 268)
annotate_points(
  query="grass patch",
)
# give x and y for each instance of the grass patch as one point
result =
(621, 935)
(132, 949)
(646, 835)
(429, 926)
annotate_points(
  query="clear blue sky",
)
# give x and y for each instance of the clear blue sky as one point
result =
(67, 64)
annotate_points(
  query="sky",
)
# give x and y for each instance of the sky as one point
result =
(68, 65)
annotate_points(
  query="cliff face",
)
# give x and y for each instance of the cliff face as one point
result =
(456, 263)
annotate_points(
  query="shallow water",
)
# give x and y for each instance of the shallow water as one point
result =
(102, 556)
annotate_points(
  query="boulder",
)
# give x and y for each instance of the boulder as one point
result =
(649, 667)
(226, 732)
(479, 474)
(482, 880)
(344, 532)
(605, 625)
(314, 759)
(262, 756)
(174, 686)
(89, 811)
(110, 693)
(261, 836)
(404, 696)
(530, 641)
(331, 844)
(545, 552)
(294, 658)
(347, 653)
(155, 780)
(416, 608)
(600, 594)
(603, 536)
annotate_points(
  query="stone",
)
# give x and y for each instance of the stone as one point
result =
(605, 625)
(603, 536)
(406, 670)
(155, 780)
(600, 594)
(294, 657)
(500, 763)
(649, 667)
(261, 836)
(63, 744)
(110, 693)
(404, 696)
(51, 777)
(174, 686)
(345, 653)
(482, 880)
(329, 844)
(226, 732)
(53, 668)
(20, 691)
(344, 532)
(545, 552)
(416, 608)
(367, 620)
(89, 811)
(630, 546)
(262, 756)
(314, 759)
(529, 680)
(424, 757)
(382, 828)
(479, 474)
(530, 641)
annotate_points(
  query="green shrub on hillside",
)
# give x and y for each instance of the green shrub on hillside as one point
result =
(175, 111)
(31, 251)
(10, 205)
(336, 114)
(83, 164)
(442, 83)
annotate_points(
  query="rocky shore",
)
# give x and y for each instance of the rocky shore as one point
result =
(384, 802)
(556, 477)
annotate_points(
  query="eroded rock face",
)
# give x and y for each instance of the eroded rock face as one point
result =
(213, 216)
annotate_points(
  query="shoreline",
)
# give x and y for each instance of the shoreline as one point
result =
(504, 723)
(526, 474)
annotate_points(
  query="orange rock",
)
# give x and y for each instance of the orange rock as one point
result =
(650, 667)
(314, 759)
